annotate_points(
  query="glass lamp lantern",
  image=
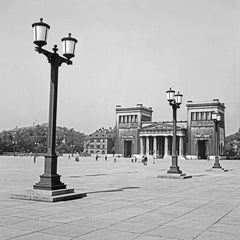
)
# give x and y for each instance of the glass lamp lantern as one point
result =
(218, 117)
(40, 33)
(170, 94)
(69, 44)
(178, 98)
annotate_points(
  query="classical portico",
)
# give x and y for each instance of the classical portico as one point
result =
(156, 139)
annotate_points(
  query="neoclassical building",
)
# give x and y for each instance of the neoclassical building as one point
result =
(136, 133)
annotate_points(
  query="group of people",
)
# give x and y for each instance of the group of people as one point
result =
(133, 158)
(98, 157)
(144, 159)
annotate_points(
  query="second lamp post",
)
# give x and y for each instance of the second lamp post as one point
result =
(216, 118)
(175, 101)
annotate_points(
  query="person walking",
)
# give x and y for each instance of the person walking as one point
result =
(77, 157)
(96, 157)
(34, 158)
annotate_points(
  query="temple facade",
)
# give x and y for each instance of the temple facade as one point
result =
(137, 134)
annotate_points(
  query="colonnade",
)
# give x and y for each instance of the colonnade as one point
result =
(160, 146)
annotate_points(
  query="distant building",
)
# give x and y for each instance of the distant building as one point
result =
(196, 138)
(128, 124)
(201, 129)
(100, 142)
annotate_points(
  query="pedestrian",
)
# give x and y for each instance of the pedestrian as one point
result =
(106, 157)
(34, 158)
(115, 159)
(69, 156)
(96, 157)
(144, 160)
(135, 159)
(77, 157)
(132, 159)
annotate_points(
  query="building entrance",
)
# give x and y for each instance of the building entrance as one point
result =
(127, 148)
(202, 149)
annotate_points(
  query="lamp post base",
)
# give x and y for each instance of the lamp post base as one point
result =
(50, 183)
(50, 180)
(174, 176)
(48, 196)
(175, 170)
(216, 164)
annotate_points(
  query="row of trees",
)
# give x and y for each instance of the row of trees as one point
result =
(232, 146)
(34, 140)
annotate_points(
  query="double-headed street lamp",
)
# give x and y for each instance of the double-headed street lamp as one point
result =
(175, 101)
(216, 117)
(50, 180)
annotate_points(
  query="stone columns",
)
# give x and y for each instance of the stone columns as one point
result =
(166, 147)
(147, 146)
(155, 147)
(141, 146)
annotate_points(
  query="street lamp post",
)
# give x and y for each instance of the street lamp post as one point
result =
(50, 188)
(175, 101)
(50, 180)
(216, 118)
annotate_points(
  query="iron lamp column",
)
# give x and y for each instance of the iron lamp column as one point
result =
(50, 180)
(216, 118)
(174, 100)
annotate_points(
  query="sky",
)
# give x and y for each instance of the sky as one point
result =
(128, 52)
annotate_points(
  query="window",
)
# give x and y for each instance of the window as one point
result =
(98, 140)
(209, 115)
(204, 116)
(198, 116)
(193, 116)
(91, 140)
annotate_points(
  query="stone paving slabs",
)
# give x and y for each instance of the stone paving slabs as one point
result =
(125, 201)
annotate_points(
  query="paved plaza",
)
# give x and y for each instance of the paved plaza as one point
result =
(124, 201)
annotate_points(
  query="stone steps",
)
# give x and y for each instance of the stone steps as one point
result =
(48, 196)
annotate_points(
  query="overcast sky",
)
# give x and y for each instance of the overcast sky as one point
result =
(128, 52)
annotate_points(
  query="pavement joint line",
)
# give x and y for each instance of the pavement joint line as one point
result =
(29, 233)
(216, 221)
(179, 215)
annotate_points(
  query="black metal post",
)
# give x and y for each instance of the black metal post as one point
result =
(14, 149)
(50, 180)
(174, 168)
(216, 163)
